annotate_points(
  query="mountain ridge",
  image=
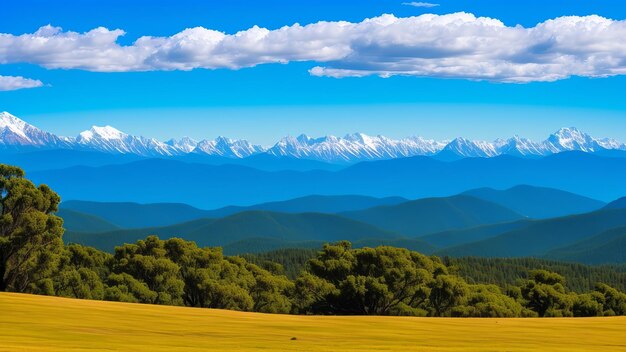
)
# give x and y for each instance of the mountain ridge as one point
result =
(17, 134)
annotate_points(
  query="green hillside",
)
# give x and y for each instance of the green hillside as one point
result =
(606, 248)
(431, 215)
(135, 215)
(457, 237)
(81, 222)
(542, 235)
(538, 202)
(242, 226)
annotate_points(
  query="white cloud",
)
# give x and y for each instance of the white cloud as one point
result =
(458, 45)
(420, 4)
(17, 82)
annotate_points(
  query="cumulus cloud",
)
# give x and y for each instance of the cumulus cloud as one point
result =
(458, 45)
(18, 82)
(420, 4)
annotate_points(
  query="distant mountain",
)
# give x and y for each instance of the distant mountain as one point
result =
(50, 159)
(606, 248)
(80, 222)
(352, 148)
(542, 236)
(431, 215)
(109, 139)
(134, 215)
(316, 204)
(468, 235)
(617, 204)
(210, 186)
(538, 202)
(17, 134)
(242, 226)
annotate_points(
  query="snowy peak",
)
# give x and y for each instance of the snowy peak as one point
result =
(353, 147)
(184, 145)
(111, 140)
(572, 139)
(103, 133)
(468, 148)
(15, 132)
(226, 147)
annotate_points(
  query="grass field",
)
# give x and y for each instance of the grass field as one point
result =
(40, 323)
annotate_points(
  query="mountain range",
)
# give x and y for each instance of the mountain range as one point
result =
(17, 135)
(460, 225)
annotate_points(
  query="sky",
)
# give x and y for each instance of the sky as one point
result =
(476, 68)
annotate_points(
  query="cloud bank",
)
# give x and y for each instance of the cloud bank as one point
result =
(17, 82)
(458, 45)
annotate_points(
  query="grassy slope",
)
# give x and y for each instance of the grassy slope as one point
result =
(40, 323)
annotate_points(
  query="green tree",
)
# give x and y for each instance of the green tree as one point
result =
(586, 305)
(446, 291)
(30, 233)
(146, 261)
(376, 281)
(488, 301)
(612, 300)
(545, 294)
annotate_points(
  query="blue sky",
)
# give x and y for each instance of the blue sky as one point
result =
(265, 102)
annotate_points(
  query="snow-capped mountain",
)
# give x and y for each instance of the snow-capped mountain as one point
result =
(184, 145)
(112, 140)
(353, 147)
(472, 149)
(571, 139)
(226, 147)
(16, 134)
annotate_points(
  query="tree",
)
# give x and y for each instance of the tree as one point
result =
(488, 301)
(586, 305)
(373, 281)
(146, 261)
(446, 291)
(612, 300)
(80, 272)
(545, 294)
(30, 233)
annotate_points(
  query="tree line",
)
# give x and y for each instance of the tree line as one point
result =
(502, 272)
(337, 280)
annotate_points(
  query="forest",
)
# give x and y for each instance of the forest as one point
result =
(337, 279)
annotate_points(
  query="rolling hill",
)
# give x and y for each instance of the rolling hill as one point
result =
(617, 204)
(242, 226)
(542, 236)
(538, 202)
(431, 215)
(81, 222)
(456, 237)
(134, 215)
(608, 247)
(209, 186)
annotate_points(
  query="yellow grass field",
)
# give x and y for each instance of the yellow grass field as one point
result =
(39, 323)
